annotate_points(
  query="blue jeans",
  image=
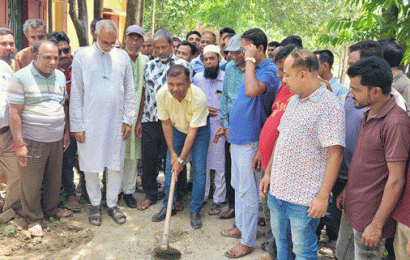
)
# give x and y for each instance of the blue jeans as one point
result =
(199, 154)
(67, 177)
(287, 216)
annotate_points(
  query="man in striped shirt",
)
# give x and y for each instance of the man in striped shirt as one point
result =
(39, 124)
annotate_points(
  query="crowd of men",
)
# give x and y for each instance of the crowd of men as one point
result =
(255, 120)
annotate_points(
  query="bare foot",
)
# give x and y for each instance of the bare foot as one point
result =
(145, 204)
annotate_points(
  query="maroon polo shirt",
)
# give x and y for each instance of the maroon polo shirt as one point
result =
(382, 139)
(402, 212)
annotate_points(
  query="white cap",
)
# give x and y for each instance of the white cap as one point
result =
(212, 48)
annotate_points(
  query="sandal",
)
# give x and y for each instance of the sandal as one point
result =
(60, 213)
(73, 204)
(232, 232)
(35, 230)
(94, 217)
(215, 209)
(117, 215)
(239, 251)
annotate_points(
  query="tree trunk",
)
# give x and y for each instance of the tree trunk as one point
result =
(133, 14)
(79, 17)
(141, 16)
(98, 9)
(153, 17)
(50, 16)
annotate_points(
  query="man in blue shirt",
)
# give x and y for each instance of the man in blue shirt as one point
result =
(246, 120)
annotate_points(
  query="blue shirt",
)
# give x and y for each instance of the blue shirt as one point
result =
(249, 114)
(233, 79)
(337, 88)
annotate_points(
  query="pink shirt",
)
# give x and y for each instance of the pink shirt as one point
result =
(307, 128)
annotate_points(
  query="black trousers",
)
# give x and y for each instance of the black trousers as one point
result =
(230, 192)
(153, 143)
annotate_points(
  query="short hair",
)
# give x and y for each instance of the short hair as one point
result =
(284, 52)
(392, 52)
(192, 32)
(5, 31)
(146, 36)
(325, 56)
(292, 39)
(229, 36)
(226, 30)
(57, 37)
(108, 25)
(374, 72)
(162, 34)
(37, 46)
(274, 44)
(34, 24)
(211, 33)
(94, 22)
(367, 49)
(257, 37)
(304, 59)
(191, 45)
(176, 39)
(177, 70)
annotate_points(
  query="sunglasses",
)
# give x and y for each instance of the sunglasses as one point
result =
(297, 51)
(65, 51)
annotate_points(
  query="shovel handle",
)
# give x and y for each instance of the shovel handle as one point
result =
(169, 209)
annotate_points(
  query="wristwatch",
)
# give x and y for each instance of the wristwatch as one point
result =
(252, 59)
(182, 162)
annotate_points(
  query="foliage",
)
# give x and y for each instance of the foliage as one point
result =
(373, 21)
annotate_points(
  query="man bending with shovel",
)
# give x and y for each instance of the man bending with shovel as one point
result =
(183, 111)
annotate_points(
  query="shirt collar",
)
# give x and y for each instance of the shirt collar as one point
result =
(188, 96)
(332, 80)
(37, 73)
(158, 60)
(398, 74)
(386, 108)
(264, 63)
(316, 96)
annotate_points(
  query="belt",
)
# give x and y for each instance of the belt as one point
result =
(4, 129)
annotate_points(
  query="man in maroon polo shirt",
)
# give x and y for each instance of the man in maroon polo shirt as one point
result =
(377, 169)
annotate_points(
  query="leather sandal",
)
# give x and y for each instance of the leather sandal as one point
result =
(117, 215)
(94, 217)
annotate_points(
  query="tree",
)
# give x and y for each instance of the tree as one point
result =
(98, 9)
(79, 16)
(135, 14)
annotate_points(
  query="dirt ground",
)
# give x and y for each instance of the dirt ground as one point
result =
(74, 238)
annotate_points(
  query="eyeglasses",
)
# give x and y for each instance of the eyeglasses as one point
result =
(296, 50)
(65, 51)
(242, 50)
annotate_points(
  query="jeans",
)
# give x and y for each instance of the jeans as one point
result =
(199, 154)
(67, 177)
(285, 216)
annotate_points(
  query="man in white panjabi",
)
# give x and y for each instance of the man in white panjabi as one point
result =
(102, 111)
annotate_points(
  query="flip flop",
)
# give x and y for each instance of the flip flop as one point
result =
(35, 230)
(241, 249)
(73, 204)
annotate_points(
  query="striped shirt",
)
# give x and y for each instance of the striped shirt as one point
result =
(43, 99)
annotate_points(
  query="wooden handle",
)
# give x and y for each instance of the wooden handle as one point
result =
(169, 209)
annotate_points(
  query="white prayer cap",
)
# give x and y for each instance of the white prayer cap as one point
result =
(212, 48)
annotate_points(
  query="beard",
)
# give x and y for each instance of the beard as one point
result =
(211, 72)
(7, 57)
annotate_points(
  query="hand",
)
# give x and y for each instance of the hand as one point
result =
(256, 162)
(326, 83)
(212, 111)
(318, 207)
(80, 137)
(264, 185)
(226, 130)
(340, 200)
(218, 134)
(126, 131)
(21, 155)
(250, 51)
(138, 129)
(371, 235)
(66, 141)
(177, 168)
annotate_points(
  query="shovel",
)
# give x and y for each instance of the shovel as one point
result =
(164, 251)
